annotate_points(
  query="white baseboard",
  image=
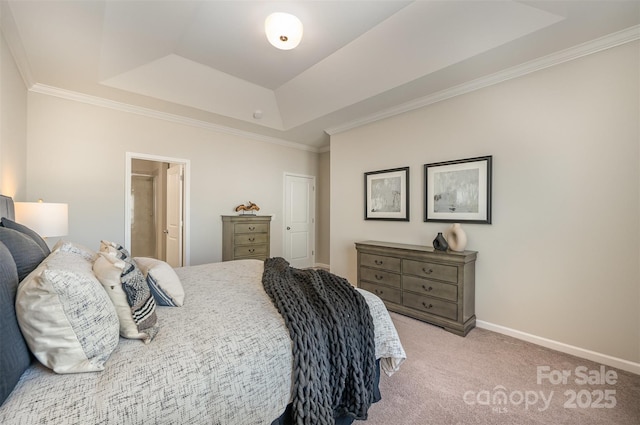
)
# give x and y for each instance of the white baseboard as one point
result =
(322, 266)
(604, 359)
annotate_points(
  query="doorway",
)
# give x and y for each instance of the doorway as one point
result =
(156, 205)
(144, 215)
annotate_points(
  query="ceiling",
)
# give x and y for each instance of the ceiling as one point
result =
(210, 62)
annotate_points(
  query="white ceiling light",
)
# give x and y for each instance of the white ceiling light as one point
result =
(283, 30)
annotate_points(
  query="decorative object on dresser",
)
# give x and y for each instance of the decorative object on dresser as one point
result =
(457, 191)
(245, 236)
(420, 282)
(440, 243)
(250, 208)
(456, 237)
(386, 194)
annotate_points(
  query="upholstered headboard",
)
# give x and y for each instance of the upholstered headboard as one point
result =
(14, 354)
(6, 207)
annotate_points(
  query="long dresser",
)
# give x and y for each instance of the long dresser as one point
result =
(245, 236)
(420, 282)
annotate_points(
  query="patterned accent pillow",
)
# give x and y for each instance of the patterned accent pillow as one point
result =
(128, 290)
(163, 281)
(10, 224)
(14, 354)
(75, 248)
(65, 315)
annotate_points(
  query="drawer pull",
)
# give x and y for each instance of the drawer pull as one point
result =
(427, 306)
(427, 271)
(252, 228)
(252, 239)
(252, 250)
(378, 292)
(378, 262)
(429, 289)
(378, 277)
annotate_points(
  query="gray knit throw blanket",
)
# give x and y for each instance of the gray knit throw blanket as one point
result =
(333, 342)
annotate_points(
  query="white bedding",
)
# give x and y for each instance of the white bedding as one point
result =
(223, 358)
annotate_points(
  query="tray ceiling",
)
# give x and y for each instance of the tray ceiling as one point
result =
(210, 60)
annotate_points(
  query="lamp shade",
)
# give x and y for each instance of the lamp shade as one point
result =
(283, 30)
(46, 219)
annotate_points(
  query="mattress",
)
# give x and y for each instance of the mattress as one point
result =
(224, 357)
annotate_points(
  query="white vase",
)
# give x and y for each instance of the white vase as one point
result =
(456, 238)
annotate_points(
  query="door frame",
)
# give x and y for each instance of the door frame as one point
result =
(284, 213)
(186, 242)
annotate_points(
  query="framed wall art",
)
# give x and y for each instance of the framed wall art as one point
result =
(386, 194)
(458, 191)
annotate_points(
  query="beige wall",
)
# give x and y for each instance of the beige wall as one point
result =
(560, 260)
(322, 209)
(77, 154)
(13, 125)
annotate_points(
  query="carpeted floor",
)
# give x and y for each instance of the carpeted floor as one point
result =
(490, 378)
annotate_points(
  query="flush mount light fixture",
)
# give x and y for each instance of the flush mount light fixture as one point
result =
(283, 30)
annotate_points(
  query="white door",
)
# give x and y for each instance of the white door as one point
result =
(174, 215)
(299, 220)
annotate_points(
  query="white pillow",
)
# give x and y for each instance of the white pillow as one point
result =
(113, 248)
(66, 317)
(75, 248)
(163, 281)
(135, 323)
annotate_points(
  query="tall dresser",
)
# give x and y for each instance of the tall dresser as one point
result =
(245, 236)
(420, 282)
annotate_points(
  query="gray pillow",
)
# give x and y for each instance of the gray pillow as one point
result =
(14, 354)
(26, 253)
(10, 224)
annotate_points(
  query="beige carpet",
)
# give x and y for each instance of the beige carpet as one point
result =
(448, 379)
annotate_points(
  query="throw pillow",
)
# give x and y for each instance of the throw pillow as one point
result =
(14, 354)
(26, 253)
(126, 287)
(163, 281)
(75, 248)
(10, 224)
(65, 315)
(113, 248)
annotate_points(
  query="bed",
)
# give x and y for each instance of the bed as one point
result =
(224, 356)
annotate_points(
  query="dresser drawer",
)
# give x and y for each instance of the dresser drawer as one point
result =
(436, 287)
(391, 264)
(245, 237)
(431, 305)
(384, 292)
(430, 270)
(250, 228)
(430, 287)
(250, 239)
(380, 276)
(249, 250)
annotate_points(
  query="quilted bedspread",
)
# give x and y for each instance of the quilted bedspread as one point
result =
(223, 358)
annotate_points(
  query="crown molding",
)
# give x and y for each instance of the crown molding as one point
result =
(584, 49)
(165, 116)
(609, 41)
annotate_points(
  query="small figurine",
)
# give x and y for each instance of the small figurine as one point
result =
(248, 208)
